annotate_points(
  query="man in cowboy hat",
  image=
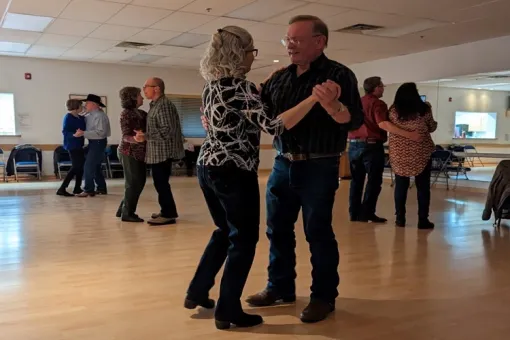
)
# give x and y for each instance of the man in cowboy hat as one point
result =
(97, 132)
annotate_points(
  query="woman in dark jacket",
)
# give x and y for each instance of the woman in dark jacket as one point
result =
(131, 152)
(74, 145)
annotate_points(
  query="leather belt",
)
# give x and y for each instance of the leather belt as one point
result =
(366, 140)
(293, 157)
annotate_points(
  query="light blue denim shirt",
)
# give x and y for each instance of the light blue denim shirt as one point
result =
(98, 125)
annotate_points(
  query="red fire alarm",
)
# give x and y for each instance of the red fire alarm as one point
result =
(28, 76)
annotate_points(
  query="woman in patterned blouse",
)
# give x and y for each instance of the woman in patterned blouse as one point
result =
(131, 152)
(227, 171)
(410, 158)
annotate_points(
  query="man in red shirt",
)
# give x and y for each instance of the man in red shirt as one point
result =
(366, 154)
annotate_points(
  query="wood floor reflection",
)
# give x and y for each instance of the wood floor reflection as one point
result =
(70, 270)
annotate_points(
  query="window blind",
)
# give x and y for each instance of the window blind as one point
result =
(188, 107)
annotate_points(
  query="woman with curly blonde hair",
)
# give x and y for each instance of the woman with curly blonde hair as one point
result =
(227, 171)
(131, 152)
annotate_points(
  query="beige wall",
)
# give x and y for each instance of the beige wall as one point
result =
(40, 102)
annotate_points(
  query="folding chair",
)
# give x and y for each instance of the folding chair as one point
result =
(441, 161)
(63, 161)
(472, 150)
(28, 166)
(112, 160)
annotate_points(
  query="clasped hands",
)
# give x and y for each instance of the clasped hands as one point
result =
(327, 94)
(139, 136)
(78, 133)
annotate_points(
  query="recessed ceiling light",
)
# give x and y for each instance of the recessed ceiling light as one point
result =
(276, 61)
(26, 22)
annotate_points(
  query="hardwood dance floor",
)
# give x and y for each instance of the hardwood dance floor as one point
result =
(70, 270)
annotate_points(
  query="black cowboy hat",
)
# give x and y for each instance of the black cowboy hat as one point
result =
(95, 99)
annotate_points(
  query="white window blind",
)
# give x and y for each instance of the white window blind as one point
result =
(7, 115)
(189, 111)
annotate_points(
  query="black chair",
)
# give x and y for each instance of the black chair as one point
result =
(62, 161)
(112, 160)
(3, 164)
(27, 161)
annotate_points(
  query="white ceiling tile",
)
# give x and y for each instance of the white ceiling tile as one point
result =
(45, 51)
(150, 36)
(72, 27)
(188, 40)
(354, 17)
(177, 62)
(261, 10)
(113, 56)
(270, 48)
(182, 22)
(145, 58)
(13, 47)
(127, 50)
(25, 37)
(96, 44)
(119, 1)
(3, 6)
(138, 16)
(217, 7)
(82, 54)
(91, 10)
(26, 22)
(57, 40)
(212, 26)
(48, 8)
(268, 32)
(166, 4)
(319, 10)
(166, 51)
(114, 32)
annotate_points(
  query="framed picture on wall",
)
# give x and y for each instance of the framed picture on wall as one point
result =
(84, 96)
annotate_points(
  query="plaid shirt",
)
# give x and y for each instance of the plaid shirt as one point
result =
(163, 133)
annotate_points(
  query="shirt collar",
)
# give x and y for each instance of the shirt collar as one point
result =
(315, 65)
(153, 102)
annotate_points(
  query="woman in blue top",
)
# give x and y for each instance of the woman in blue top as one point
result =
(72, 122)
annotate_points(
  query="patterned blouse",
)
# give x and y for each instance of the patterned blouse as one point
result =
(409, 158)
(131, 120)
(236, 115)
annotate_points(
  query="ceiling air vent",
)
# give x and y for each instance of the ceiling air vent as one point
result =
(132, 44)
(359, 28)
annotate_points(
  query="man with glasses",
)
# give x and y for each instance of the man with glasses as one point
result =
(164, 144)
(306, 168)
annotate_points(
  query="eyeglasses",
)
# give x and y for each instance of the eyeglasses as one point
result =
(255, 52)
(286, 41)
(146, 86)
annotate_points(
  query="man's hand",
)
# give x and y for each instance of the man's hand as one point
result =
(415, 136)
(205, 122)
(327, 93)
(139, 136)
(79, 133)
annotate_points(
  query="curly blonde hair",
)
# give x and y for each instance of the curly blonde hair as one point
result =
(224, 57)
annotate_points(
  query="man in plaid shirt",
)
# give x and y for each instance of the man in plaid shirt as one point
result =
(164, 144)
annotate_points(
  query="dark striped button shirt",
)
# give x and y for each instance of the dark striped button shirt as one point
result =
(163, 133)
(317, 133)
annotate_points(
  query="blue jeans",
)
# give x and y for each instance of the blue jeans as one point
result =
(93, 172)
(365, 159)
(309, 185)
(233, 198)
